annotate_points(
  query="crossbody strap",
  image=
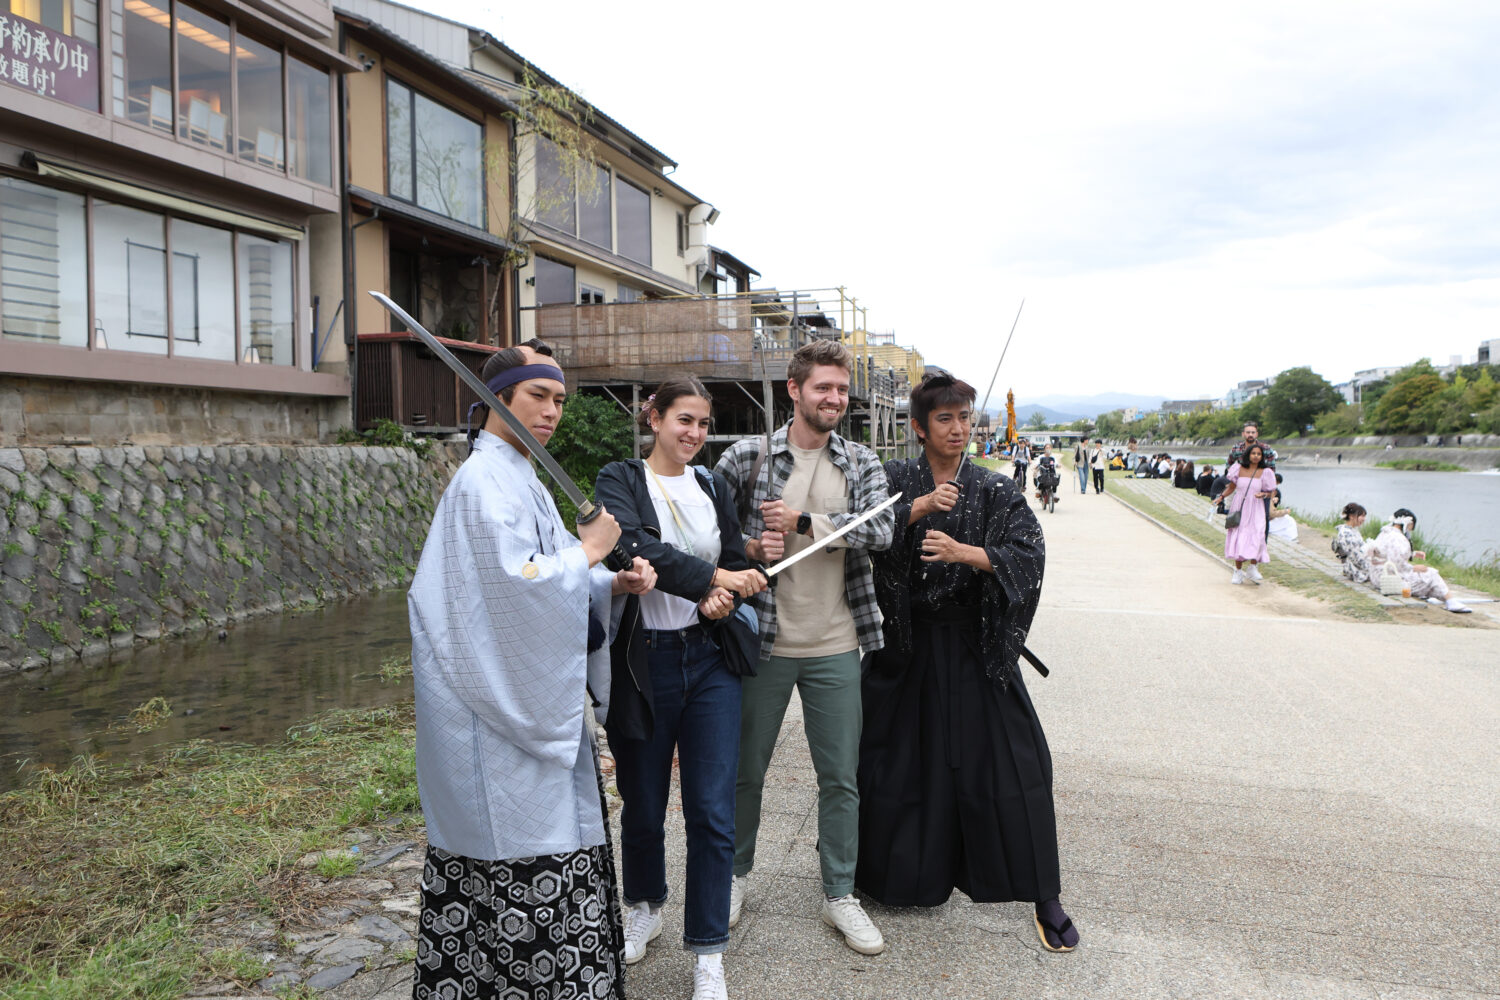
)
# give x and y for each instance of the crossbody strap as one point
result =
(687, 542)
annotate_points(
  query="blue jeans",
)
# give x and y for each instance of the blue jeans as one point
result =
(1083, 478)
(696, 709)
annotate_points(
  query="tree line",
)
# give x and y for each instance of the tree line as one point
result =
(1415, 400)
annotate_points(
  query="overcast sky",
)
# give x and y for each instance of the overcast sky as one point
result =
(1186, 194)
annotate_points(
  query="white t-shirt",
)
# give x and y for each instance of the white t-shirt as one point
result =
(696, 509)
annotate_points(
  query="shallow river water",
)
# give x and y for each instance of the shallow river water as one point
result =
(1458, 510)
(269, 674)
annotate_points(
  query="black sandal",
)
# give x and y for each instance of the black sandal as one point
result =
(1057, 934)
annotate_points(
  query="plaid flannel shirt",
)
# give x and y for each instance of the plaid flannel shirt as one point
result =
(868, 487)
(1237, 455)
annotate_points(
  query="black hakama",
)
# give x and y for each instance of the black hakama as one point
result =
(955, 777)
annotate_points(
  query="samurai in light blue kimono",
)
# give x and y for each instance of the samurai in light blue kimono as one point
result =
(509, 613)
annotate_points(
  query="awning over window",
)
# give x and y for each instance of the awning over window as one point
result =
(170, 202)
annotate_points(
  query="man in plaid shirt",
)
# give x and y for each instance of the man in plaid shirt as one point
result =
(816, 623)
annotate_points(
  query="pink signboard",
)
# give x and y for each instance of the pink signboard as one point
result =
(36, 58)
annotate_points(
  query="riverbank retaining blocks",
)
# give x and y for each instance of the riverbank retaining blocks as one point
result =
(107, 547)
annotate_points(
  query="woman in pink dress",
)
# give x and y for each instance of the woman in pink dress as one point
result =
(1246, 543)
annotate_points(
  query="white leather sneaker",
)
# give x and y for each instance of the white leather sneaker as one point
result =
(1238, 577)
(736, 898)
(1253, 574)
(708, 978)
(641, 928)
(846, 916)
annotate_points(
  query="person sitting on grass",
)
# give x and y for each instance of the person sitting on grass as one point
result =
(1349, 545)
(1393, 545)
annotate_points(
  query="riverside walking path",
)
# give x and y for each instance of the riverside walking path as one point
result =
(1256, 798)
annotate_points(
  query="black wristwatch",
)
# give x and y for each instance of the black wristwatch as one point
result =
(804, 523)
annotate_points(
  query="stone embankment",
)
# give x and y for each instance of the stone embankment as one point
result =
(107, 547)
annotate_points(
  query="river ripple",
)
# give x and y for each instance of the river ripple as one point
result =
(269, 674)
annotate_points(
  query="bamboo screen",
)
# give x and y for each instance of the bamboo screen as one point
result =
(647, 341)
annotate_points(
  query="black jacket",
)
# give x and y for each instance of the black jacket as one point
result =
(621, 490)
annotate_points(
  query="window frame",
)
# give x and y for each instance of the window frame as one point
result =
(301, 351)
(413, 91)
(107, 55)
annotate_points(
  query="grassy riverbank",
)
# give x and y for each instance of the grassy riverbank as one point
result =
(1305, 581)
(1420, 465)
(106, 871)
(1483, 576)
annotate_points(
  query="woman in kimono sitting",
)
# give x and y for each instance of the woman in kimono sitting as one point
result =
(1349, 544)
(955, 777)
(1393, 546)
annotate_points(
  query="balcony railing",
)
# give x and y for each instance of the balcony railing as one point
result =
(718, 338)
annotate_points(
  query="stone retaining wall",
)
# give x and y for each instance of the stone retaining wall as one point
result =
(106, 547)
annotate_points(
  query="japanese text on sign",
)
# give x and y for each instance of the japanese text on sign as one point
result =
(48, 62)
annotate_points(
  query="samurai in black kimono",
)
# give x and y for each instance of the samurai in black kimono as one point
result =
(955, 778)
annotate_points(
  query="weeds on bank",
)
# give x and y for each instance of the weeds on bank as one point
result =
(106, 869)
(1420, 465)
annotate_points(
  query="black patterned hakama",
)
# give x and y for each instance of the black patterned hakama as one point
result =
(545, 928)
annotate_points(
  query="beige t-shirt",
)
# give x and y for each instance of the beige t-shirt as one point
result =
(812, 610)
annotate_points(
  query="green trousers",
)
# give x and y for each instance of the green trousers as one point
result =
(832, 715)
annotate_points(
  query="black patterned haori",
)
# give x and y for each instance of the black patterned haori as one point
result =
(955, 777)
(543, 928)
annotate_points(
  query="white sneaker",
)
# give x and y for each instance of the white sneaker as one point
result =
(708, 978)
(1253, 574)
(849, 918)
(1458, 607)
(641, 928)
(736, 898)
(1238, 577)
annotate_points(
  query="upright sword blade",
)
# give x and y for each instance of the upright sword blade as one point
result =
(983, 407)
(587, 511)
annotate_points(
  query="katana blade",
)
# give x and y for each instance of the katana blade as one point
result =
(983, 407)
(861, 519)
(617, 559)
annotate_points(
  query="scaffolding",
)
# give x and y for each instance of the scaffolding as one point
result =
(741, 345)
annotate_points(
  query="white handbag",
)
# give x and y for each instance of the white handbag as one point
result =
(1391, 584)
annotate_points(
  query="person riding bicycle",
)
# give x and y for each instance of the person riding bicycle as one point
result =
(1022, 458)
(1047, 477)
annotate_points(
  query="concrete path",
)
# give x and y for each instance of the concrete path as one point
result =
(1254, 800)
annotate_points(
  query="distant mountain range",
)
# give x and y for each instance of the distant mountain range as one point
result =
(1066, 409)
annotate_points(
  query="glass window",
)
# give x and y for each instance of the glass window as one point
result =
(594, 210)
(43, 264)
(130, 279)
(258, 71)
(634, 221)
(266, 295)
(202, 77)
(309, 149)
(554, 283)
(555, 198)
(449, 162)
(143, 63)
(202, 305)
(398, 140)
